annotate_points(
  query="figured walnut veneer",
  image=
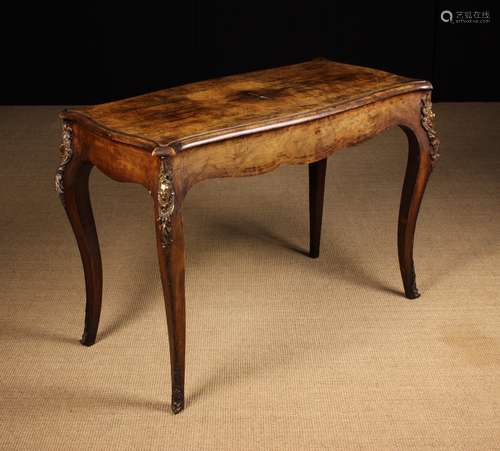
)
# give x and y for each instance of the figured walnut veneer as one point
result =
(240, 125)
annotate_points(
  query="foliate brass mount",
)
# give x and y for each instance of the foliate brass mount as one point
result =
(166, 202)
(427, 120)
(66, 150)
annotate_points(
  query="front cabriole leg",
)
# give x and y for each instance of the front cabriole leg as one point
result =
(423, 152)
(170, 246)
(72, 186)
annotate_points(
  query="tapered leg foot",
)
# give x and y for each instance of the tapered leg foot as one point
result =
(170, 246)
(410, 286)
(177, 404)
(177, 400)
(317, 172)
(87, 340)
(72, 179)
(413, 293)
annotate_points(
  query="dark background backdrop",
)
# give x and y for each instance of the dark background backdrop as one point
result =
(80, 53)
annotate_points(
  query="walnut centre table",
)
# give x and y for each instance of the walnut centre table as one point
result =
(230, 127)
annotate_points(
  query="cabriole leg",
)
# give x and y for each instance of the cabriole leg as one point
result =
(422, 153)
(170, 245)
(72, 185)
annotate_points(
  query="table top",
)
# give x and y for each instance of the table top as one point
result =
(198, 113)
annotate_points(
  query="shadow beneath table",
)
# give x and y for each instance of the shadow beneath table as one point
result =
(63, 397)
(135, 304)
(352, 267)
(17, 333)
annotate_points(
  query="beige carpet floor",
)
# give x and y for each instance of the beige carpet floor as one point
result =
(283, 352)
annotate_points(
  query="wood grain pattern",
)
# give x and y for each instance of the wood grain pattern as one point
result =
(198, 113)
(232, 127)
(305, 143)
